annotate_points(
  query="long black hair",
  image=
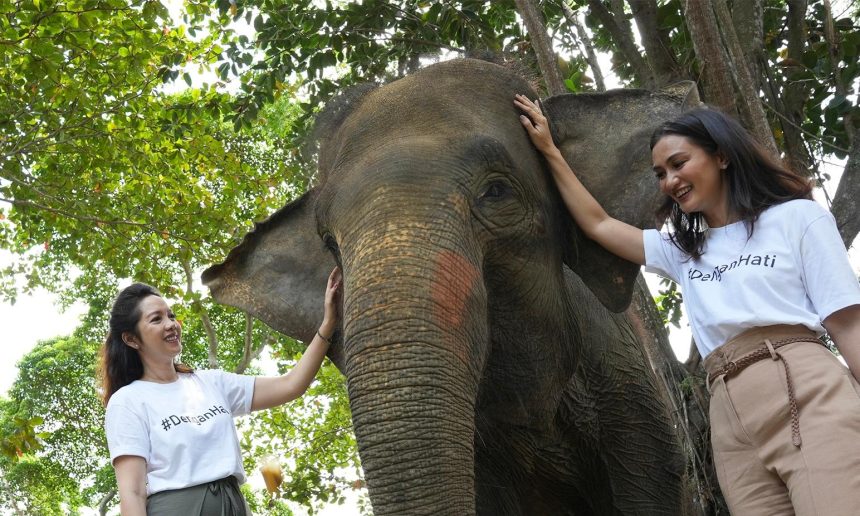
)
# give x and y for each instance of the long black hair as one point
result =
(755, 180)
(121, 364)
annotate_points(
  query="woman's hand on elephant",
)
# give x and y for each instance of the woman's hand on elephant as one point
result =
(333, 302)
(535, 123)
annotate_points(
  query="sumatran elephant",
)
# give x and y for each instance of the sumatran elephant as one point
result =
(486, 367)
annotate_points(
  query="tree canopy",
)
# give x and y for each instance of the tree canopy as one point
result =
(62, 465)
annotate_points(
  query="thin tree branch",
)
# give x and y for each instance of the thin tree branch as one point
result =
(542, 46)
(246, 351)
(664, 65)
(31, 204)
(585, 39)
(97, 221)
(106, 499)
(622, 34)
(809, 135)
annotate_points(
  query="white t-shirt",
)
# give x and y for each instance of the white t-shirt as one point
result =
(184, 429)
(794, 270)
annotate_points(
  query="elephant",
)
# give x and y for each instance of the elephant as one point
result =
(489, 365)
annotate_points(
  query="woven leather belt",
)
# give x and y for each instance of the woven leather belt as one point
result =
(769, 351)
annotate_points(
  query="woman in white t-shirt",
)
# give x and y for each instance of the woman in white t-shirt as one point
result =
(170, 430)
(763, 272)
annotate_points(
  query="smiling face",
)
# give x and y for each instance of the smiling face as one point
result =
(158, 331)
(692, 177)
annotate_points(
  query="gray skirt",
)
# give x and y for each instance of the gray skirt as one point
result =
(216, 498)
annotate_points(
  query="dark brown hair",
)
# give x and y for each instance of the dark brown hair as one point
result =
(755, 180)
(120, 364)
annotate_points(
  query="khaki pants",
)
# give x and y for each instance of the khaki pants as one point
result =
(759, 469)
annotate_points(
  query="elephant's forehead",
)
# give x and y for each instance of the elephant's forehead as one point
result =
(416, 160)
(433, 115)
(402, 147)
(442, 135)
(439, 99)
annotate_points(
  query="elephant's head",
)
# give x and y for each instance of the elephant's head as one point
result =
(452, 240)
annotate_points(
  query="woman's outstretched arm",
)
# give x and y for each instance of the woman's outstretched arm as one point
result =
(616, 236)
(273, 391)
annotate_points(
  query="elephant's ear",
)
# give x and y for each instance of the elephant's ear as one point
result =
(605, 137)
(279, 271)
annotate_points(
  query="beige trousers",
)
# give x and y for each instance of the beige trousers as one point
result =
(759, 469)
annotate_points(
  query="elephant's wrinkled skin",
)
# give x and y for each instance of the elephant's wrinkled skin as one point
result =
(484, 376)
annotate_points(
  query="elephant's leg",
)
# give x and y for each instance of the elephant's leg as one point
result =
(526, 472)
(637, 444)
(579, 421)
(639, 448)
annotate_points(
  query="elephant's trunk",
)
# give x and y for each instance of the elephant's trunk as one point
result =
(415, 327)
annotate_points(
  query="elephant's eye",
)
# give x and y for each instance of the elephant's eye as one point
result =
(331, 245)
(495, 190)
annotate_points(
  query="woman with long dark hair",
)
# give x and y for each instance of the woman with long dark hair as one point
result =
(764, 273)
(170, 429)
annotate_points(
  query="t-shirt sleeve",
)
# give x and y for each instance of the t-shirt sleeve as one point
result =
(659, 254)
(127, 432)
(827, 275)
(237, 389)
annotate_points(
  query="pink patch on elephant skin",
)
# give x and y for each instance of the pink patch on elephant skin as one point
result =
(453, 282)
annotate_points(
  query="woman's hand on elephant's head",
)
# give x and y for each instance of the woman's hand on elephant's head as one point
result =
(333, 301)
(535, 123)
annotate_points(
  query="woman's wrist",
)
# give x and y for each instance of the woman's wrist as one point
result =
(553, 154)
(326, 332)
(558, 166)
(325, 339)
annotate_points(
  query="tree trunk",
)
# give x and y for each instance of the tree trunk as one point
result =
(842, 89)
(749, 105)
(623, 36)
(588, 46)
(795, 93)
(748, 20)
(713, 60)
(542, 45)
(846, 202)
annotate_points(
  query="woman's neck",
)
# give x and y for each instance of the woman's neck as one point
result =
(720, 217)
(720, 213)
(162, 373)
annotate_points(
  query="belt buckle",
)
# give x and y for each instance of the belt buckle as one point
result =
(730, 368)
